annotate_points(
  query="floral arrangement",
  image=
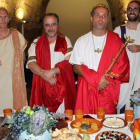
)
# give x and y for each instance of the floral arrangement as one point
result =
(61, 115)
(135, 98)
(35, 120)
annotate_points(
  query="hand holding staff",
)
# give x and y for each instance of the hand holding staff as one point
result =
(127, 40)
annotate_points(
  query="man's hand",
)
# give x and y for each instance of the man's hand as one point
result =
(103, 82)
(47, 74)
(134, 48)
(53, 81)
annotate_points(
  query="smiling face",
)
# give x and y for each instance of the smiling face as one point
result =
(50, 26)
(4, 19)
(100, 18)
(133, 11)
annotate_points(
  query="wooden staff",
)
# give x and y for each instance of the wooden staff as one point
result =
(127, 40)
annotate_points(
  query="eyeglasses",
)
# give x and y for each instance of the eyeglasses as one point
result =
(50, 25)
(134, 9)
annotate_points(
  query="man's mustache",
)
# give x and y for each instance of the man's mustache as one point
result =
(50, 30)
(132, 14)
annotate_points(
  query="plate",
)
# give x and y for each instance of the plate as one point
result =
(91, 121)
(113, 122)
(56, 138)
(96, 138)
(77, 135)
(80, 136)
(8, 137)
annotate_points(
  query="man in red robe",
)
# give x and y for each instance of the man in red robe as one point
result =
(53, 81)
(92, 55)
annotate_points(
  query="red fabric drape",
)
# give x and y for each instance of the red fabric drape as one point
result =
(89, 98)
(42, 91)
(61, 44)
(68, 83)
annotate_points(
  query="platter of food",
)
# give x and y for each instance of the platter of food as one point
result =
(4, 131)
(64, 134)
(87, 125)
(112, 135)
(114, 122)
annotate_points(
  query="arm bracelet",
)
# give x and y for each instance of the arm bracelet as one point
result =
(54, 72)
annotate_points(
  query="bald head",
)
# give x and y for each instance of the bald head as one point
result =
(2, 8)
(4, 18)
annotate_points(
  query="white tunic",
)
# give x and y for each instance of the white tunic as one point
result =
(134, 58)
(6, 71)
(83, 52)
(55, 58)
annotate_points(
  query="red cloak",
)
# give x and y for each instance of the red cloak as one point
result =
(88, 97)
(42, 92)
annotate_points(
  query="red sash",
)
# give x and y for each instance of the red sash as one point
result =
(89, 98)
(42, 92)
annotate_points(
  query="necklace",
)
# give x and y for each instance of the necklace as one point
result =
(5, 34)
(99, 50)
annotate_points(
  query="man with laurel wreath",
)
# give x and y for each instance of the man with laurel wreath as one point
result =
(92, 55)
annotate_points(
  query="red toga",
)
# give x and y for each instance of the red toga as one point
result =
(88, 97)
(42, 92)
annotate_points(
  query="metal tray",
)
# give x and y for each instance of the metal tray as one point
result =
(8, 137)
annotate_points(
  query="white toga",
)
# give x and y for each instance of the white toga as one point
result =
(6, 71)
(55, 58)
(83, 52)
(134, 82)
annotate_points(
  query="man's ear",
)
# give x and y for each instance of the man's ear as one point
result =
(108, 18)
(91, 19)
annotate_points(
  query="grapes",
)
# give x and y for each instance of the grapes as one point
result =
(16, 127)
(37, 107)
(86, 137)
(47, 112)
(12, 136)
(47, 109)
(51, 113)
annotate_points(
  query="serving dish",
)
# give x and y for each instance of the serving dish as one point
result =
(8, 137)
(114, 122)
(112, 132)
(95, 125)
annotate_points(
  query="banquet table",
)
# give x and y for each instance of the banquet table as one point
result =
(125, 130)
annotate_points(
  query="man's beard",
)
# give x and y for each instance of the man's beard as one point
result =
(134, 18)
(51, 34)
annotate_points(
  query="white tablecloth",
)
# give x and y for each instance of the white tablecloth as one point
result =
(125, 130)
